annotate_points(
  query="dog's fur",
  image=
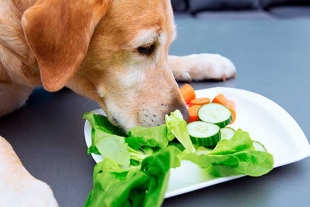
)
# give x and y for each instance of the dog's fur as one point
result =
(112, 51)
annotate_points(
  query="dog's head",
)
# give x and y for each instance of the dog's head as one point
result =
(114, 52)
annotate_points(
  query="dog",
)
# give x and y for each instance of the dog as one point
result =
(114, 52)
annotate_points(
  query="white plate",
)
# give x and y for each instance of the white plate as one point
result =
(266, 122)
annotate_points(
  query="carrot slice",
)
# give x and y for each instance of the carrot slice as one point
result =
(193, 113)
(199, 101)
(188, 93)
(232, 107)
(220, 99)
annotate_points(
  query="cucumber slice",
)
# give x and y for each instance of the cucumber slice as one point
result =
(203, 133)
(227, 133)
(259, 146)
(215, 113)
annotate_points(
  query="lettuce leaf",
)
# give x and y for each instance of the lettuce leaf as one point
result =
(113, 147)
(102, 123)
(239, 142)
(92, 148)
(178, 127)
(99, 122)
(144, 186)
(157, 167)
(234, 156)
(152, 137)
(106, 141)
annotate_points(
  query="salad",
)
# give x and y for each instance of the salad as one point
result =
(136, 166)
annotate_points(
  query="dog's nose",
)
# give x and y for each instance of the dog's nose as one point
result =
(180, 105)
(185, 113)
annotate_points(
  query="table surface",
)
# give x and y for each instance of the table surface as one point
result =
(272, 58)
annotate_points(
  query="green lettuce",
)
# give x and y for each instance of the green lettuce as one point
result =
(178, 127)
(135, 187)
(235, 156)
(113, 147)
(106, 141)
(111, 142)
(99, 122)
(152, 137)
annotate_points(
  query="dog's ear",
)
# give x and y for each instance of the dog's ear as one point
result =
(58, 33)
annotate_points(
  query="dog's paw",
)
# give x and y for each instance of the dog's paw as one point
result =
(17, 186)
(207, 67)
(27, 192)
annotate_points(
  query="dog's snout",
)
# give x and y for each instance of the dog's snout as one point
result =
(177, 104)
(149, 118)
(153, 116)
(185, 113)
(182, 108)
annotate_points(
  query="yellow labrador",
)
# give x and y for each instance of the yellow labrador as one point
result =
(112, 51)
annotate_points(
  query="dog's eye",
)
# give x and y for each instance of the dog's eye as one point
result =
(146, 50)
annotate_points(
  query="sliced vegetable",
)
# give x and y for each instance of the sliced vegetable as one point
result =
(203, 133)
(232, 107)
(220, 99)
(188, 93)
(193, 113)
(215, 113)
(227, 133)
(259, 146)
(199, 101)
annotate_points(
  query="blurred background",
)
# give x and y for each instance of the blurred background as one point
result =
(243, 8)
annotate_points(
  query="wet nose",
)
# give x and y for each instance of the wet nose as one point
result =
(180, 105)
(185, 113)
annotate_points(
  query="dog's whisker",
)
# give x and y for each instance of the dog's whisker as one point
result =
(177, 76)
(87, 102)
